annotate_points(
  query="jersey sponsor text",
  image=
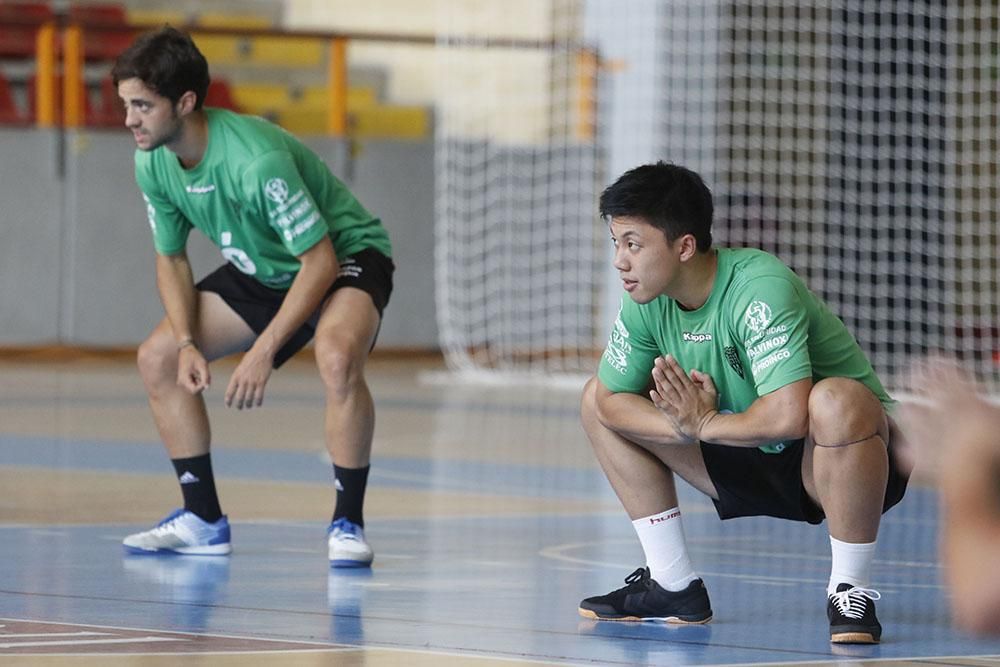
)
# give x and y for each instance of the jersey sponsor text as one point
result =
(767, 346)
(690, 337)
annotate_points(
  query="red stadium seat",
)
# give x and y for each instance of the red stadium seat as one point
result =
(18, 41)
(220, 94)
(101, 44)
(109, 112)
(9, 113)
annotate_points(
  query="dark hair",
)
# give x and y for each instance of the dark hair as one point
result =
(168, 62)
(667, 196)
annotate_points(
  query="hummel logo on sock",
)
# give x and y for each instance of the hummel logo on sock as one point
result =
(188, 478)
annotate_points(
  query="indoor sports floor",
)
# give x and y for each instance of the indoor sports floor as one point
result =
(489, 518)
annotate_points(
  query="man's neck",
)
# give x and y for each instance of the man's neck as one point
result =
(190, 146)
(697, 282)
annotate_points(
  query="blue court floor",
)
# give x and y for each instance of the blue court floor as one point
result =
(489, 519)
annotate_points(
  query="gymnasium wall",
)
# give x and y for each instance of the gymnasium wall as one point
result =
(76, 258)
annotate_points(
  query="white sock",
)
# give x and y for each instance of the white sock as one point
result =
(852, 564)
(662, 539)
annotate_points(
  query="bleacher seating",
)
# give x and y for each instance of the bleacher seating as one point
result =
(18, 41)
(220, 94)
(280, 77)
(10, 114)
(100, 44)
(108, 111)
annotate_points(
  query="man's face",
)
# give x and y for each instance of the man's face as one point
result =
(647, 263)
(151, 117)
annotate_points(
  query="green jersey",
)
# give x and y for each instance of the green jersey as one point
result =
(760, 329)
(259, 194)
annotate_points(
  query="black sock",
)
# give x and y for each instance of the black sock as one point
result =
(351, 484)
(198, 487)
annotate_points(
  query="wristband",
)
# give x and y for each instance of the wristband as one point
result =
(185, 342)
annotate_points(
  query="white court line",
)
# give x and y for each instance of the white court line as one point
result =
(922, 660)
(305, 642)
(555, 553)
(321, 647)
(25, 635)
(81, 642)
(772, 556)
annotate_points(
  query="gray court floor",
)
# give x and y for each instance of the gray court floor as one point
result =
(489, 518)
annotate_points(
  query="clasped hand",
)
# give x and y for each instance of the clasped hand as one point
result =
(689, 402)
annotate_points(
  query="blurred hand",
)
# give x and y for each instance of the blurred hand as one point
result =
(192, 370)
(246, 386)
(947, 417)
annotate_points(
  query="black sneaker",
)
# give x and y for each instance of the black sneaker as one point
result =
(645, 600)
(852, 615)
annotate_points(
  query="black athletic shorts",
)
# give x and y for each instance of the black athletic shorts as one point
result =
(257, 304)
(752, 483)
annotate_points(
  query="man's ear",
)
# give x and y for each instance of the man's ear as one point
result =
(688, 247)
(186, 103)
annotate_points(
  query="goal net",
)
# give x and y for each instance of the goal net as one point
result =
(858, 143)
(517, 172)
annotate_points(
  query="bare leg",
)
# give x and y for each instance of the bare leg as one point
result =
(642, 475)
(849, 465)
(343, 339)
(181, 418)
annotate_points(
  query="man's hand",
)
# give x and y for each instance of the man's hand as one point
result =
(949, 419)
(246, 386)
(688, 402)
(192, 370)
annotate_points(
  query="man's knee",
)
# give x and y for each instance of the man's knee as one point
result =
(157, 358)
(340, 363)
(590, 413)
(843, 405)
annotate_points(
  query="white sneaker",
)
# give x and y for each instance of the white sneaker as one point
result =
(347, 545)
(182, 532)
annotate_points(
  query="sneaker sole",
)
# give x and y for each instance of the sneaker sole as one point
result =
(854, 638)
(675, 620)
(345, 563)
(212, 550)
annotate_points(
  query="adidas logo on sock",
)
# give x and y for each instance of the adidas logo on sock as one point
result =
(188, 478)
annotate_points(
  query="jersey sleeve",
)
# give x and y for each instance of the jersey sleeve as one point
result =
(627, 362)
(273, 185)
(169, 226)
(773, 323)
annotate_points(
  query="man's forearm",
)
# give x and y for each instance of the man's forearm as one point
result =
(635, 418)
(970, 539)
(779, 416)
(304, 296)
(175, 283)
(749, 429)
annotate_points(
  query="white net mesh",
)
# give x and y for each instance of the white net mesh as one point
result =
(516, 182)
(858, 144)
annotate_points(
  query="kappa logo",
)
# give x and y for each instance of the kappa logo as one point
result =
(276, 190)
(758, 316)
(690, 337)
(733, 357)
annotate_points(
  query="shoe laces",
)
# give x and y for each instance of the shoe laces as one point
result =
(168, 523)
(638, 579)
(852, 602)
(344, 528)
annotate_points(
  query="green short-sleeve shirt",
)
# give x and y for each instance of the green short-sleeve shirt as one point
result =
(259, 194)
(760, 329)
